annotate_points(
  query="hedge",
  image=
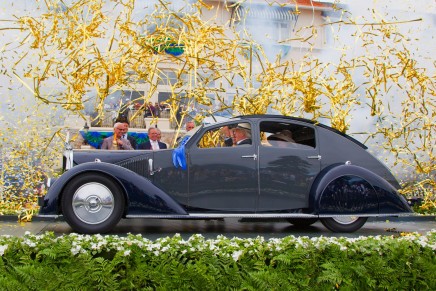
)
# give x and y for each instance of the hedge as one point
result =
(96, 262)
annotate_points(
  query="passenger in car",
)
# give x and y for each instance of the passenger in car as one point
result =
(226, 137)
(242, 134)
(281, 139)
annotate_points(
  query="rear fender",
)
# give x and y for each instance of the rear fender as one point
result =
(349, 189)
(142, 197)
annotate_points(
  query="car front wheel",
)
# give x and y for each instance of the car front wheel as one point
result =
(92, 203)
(344, 223)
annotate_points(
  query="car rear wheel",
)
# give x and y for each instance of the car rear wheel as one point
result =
(344, 223)
(302, 222)
(92, 203)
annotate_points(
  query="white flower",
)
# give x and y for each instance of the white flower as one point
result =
(75, 250)
(236, 255)
(3, 249)
(126, 253)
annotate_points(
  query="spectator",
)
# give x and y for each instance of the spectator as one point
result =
(153, 143)
(159, 136)
(137, 105)
(157, 109)
(151, 108)
(189, 125)
(126, 124)
(147, 112)
(116, 142)
(179, 113)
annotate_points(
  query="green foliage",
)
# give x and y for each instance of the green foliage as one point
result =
(75, 262)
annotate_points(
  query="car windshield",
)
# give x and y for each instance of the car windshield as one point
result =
(188, 134)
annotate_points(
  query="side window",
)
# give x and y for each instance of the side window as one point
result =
(210, 139)
(237, 134)
(287, 135)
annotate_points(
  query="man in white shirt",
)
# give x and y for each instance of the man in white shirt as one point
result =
(153, 143)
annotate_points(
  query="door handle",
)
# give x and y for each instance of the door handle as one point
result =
(150, 168)
(254, 157)
(318, 157)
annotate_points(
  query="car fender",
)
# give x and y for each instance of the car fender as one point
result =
(349, 189)
(142, 197)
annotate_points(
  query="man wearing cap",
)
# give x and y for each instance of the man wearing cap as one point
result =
(242, 134)
(284, 135)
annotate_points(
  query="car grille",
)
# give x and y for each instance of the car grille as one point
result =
(138, 165)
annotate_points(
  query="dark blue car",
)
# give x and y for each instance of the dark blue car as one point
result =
(287, 168)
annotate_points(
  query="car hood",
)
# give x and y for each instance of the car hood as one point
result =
(111, 157)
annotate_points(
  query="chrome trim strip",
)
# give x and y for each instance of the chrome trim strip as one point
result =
(224, 215)
(48, 215)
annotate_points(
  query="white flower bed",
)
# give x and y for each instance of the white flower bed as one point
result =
(221, 246)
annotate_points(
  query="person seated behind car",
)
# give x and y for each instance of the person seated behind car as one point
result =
(189, 125)
(281, 139)
(153, 143)
(125, 133)
(242, 134)
(121, 143)
(159, 137)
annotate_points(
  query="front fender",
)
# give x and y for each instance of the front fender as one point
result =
(349, 189)
(142, 196)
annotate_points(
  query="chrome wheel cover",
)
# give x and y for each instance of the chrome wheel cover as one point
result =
(93, 203)
(345, 219)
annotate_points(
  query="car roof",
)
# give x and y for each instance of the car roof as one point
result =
(304, 120)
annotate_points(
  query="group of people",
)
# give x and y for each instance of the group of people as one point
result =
(234, 136)
(241, 135)
(155, 110)
(121, 140)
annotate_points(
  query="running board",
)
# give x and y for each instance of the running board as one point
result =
(243, 215)
(263, 216)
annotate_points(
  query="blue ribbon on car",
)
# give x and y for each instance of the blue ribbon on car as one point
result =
(179, 159)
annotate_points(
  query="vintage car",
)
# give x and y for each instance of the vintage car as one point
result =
(287, 168)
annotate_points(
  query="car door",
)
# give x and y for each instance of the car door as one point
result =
(163, 174)
(222, 177)
(289, 161)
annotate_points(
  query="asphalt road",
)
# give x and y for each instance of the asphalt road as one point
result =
(230, 227)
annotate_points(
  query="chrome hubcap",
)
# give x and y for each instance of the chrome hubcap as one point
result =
(93, 203)
(345, 219)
